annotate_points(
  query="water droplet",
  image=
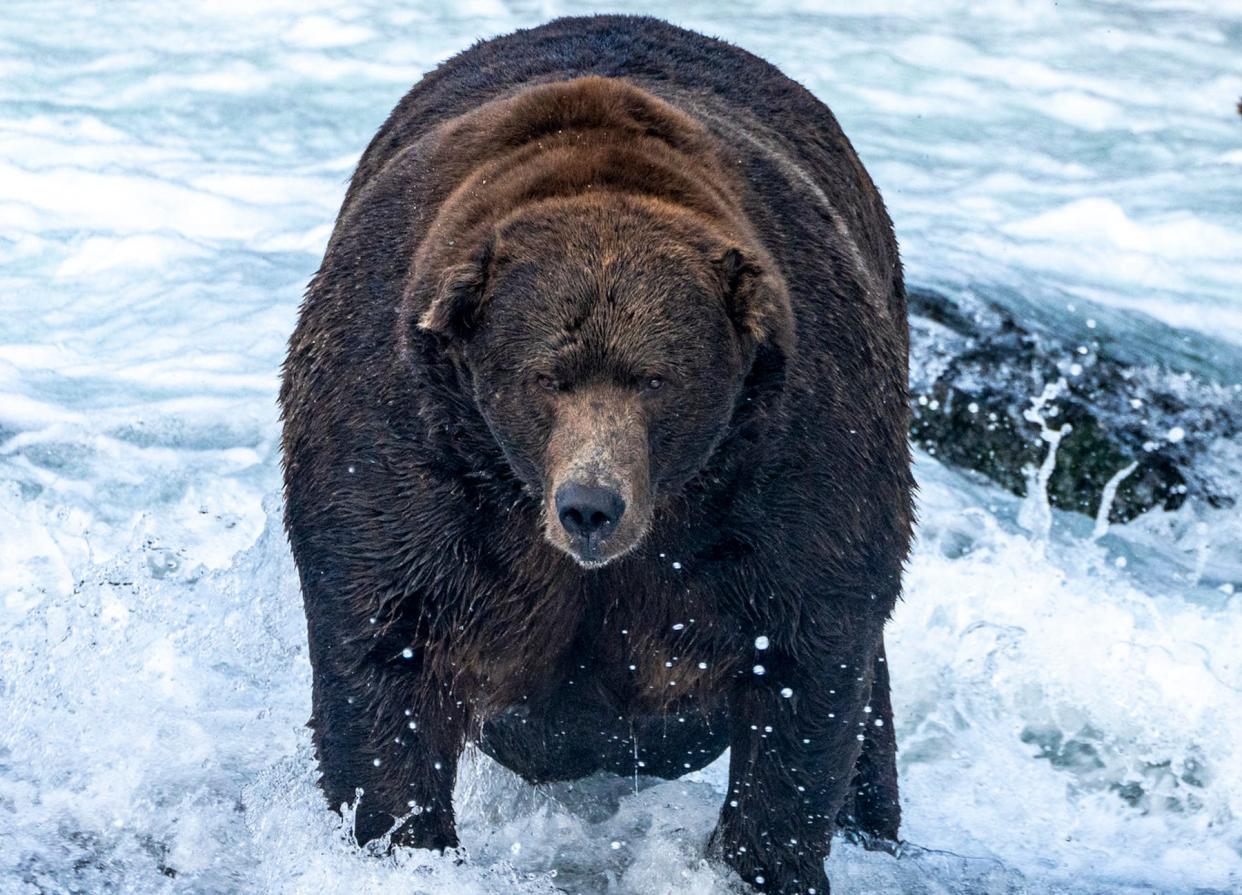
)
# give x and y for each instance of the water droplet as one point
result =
(762, 642)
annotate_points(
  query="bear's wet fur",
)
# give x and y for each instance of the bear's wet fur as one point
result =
(606, 259)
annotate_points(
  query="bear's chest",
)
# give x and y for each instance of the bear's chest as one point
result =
(655, 649)
(641, 644)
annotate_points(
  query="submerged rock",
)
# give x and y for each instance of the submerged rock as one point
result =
(988, 394)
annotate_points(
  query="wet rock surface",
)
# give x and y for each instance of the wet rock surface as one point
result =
(991, 394)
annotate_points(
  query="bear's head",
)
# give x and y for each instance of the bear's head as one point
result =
(608, 341)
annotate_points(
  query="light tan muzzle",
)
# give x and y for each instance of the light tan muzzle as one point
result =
(598, 503)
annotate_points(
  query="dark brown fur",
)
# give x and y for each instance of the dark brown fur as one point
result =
(546, 229)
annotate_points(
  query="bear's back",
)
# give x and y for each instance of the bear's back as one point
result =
(722, 82)
(660, 57)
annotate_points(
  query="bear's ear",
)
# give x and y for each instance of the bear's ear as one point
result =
(754, 299)
(456, 300)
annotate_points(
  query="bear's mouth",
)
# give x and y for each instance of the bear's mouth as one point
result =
(595, 553)
(594, 557)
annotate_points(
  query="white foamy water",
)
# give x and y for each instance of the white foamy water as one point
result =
(1068, 706)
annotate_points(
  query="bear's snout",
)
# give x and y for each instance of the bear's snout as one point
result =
(589, 514)
(598, 504)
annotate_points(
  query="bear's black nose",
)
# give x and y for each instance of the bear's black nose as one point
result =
(589, 511)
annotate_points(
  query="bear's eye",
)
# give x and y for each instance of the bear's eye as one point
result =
(654, 383)
(548, 383)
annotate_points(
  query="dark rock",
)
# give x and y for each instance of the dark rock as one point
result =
(976, 375)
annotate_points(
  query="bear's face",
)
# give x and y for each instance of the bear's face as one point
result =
(607, 352)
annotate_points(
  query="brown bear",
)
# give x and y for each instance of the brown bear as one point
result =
(595, 444)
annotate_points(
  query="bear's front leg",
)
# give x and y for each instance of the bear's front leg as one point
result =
(398, 740)
(797, 730)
